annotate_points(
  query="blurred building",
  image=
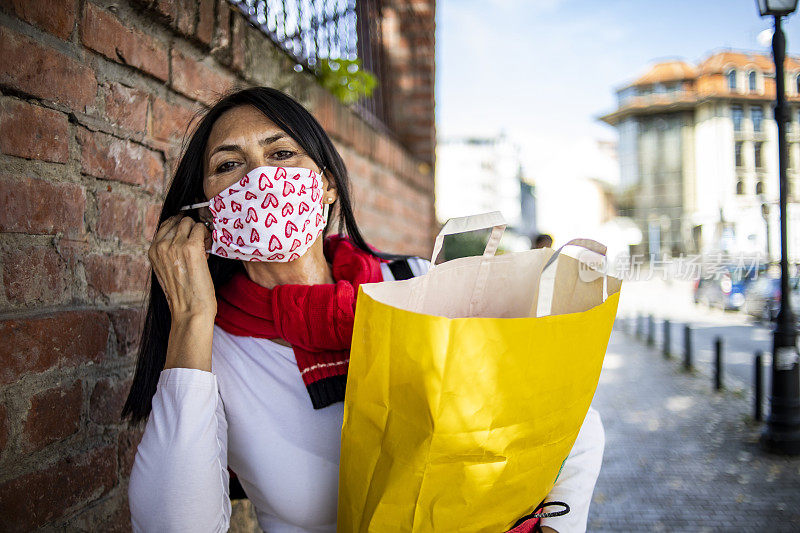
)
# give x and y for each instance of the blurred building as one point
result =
(698, 154)
(478, 175)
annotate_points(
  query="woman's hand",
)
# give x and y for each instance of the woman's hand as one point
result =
(179, 261)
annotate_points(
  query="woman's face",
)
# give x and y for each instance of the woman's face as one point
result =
(242, 139)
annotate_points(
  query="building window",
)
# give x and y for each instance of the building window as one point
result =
(757, 116)
(740, 186)
(797, 84)
(732, 79)
(737, 113)
(751, 81)
(759, 187)
(738, 153)
(757, 149)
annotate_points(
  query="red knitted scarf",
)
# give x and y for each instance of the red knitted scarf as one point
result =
(317, 320)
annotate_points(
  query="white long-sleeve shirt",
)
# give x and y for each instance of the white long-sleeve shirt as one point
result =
(252, 413)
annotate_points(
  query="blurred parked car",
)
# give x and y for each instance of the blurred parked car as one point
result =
(725, 290)
(763, 298)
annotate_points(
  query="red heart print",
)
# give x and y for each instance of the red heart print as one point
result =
(273, 257)
(302, 190)
(275, 244)
(219, 205)
(279, 174)
(308, 236)
(306, 223)
(256, 252)
(314, 183)
(248, 195)
(295, 245)
(238, 223)
(270, 200)
(256, 259)
(303, 208)
(288, 188)
(319, 233)
(270, 219)
(224, 220)
(254, 235)
(251, 215)
(293, 257)
(235, 206)
(287, 210)
(232, 190)
(290, 227)
(221, 251)
(296, 176)
(263, 182)
(226, 237)
(314, 195)
(214, 235)
(244, 181)
(319, 219)
(240, 241)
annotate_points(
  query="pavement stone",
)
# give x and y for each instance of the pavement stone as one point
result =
(681, 457)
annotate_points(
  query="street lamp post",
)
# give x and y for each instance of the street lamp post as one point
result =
(782, 432)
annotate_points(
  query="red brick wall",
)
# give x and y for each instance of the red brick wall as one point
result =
(94, 99)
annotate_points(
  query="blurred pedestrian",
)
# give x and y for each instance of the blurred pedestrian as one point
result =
(543, 240)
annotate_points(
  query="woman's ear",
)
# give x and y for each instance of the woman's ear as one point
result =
(330, 194)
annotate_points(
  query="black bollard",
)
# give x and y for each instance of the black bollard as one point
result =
(718, 363)
(687, 344)
(759, 386)
(666, 347)
(639, 326)
(651, 330)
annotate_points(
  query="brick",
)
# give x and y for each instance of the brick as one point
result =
(170, 121)
(127, 324)
(3, 428)
(113, 513)
(205, 21)
(116, 275)
(151, 217)
(238, 43)
(118, 216)
(104, 33)
(54, 414)
(54, 16)
(108, 157)
(126, 107)
(222, 35)
(32, 68)
(186, 15)
(33, 132)
(36, 275)
(38, 207)
(107, 400)
(128, 440)
(66, 339)
(198, 81)
(37, 498)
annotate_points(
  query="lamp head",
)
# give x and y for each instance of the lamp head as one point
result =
(779, 8)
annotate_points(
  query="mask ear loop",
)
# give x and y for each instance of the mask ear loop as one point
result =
(325, 207)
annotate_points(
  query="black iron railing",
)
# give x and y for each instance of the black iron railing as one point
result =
(311, 31)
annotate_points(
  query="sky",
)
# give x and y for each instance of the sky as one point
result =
(544, 70)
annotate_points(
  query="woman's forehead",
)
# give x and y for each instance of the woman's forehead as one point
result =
(241, 124)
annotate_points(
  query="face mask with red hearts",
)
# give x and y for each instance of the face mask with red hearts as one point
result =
(273, 214)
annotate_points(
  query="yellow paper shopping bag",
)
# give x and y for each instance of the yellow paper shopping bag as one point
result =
(467, 386)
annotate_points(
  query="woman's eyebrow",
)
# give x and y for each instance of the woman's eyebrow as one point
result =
(269, 140)
(224, 148)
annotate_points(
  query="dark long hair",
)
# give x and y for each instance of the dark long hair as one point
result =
(187, 187)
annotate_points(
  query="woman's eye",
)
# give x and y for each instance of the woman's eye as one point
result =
(286, 154)
(226, 166)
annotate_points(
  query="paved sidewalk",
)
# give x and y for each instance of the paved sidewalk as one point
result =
(680, 457)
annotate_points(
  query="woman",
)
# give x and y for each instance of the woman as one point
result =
(243, 357)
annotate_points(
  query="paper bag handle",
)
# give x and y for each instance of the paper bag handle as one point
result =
(547, 280)
(492, 220)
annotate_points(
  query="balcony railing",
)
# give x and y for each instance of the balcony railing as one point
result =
(314, 30)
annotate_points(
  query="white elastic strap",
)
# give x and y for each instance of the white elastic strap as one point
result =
(193, 206)
(492, 220)
(547, 278)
